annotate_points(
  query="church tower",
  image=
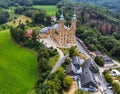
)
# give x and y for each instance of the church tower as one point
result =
(74, 20)
(61, 21)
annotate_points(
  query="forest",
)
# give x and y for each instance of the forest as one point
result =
(8, 3)
(109, 4)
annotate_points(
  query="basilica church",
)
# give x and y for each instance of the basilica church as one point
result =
(59, 32)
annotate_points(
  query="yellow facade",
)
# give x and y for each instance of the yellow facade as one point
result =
(62, 34)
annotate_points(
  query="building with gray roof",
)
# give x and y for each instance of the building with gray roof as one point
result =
(71, 70)
(107, 60)
(77, 61)
(91, 65)
(88, 79)
(44, 30)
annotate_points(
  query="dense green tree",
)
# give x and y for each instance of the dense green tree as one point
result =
(4, 16)
(43, 53)
(42, 64)
(39, 18)
(116, 52)
(99, 61)
(73, 51)
(67, 61)
(116, 87)
(105, 72)
(108, 78)
(67, 82)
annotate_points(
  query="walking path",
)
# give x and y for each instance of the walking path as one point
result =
(50, 43)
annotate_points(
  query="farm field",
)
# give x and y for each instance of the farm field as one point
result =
(18, 67)
(50, 9)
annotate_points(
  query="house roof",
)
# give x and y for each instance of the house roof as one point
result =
(77, 60)
(97, 53)
(56, 26)
(28, 33)
(44, 30)
(105, 57)
(71, 69)
(107, 60)
(90, 64)
(87, 77)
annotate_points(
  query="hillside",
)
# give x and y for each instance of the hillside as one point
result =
(8, 3)
(98, 27)
(18, 67)
(109, 4)
(104, 20)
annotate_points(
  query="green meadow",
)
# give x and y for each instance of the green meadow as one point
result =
(18, 67)
(50, 9)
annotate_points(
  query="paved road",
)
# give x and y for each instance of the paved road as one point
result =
(50, 43)
(59, 62)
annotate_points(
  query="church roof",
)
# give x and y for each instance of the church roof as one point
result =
(44, 30)
(56, 26)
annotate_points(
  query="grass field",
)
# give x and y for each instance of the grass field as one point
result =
(50, 9)
(18, 67)
(11, 12)
(21, 18)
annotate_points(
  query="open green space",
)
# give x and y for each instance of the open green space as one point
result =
(18, 67)
(11, 12)
(50, 9)
(19, 19)
(53, 60)
(65, 50)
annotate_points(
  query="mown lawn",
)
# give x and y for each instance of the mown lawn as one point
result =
(50, 9)
(18, 67)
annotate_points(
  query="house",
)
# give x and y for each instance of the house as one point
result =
(77, 61)
(107, 60)
(88, 79)
(44, 32)
(115, 72)
(91, 65)
(71, 70)
(97, 53)
(28, 33)
(74, 67)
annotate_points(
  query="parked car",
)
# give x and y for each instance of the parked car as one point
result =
(109, 86)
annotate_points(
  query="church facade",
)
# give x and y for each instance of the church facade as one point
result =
(62, 34)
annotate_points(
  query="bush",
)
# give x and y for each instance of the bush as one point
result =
(99, 61)
(108, 78)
